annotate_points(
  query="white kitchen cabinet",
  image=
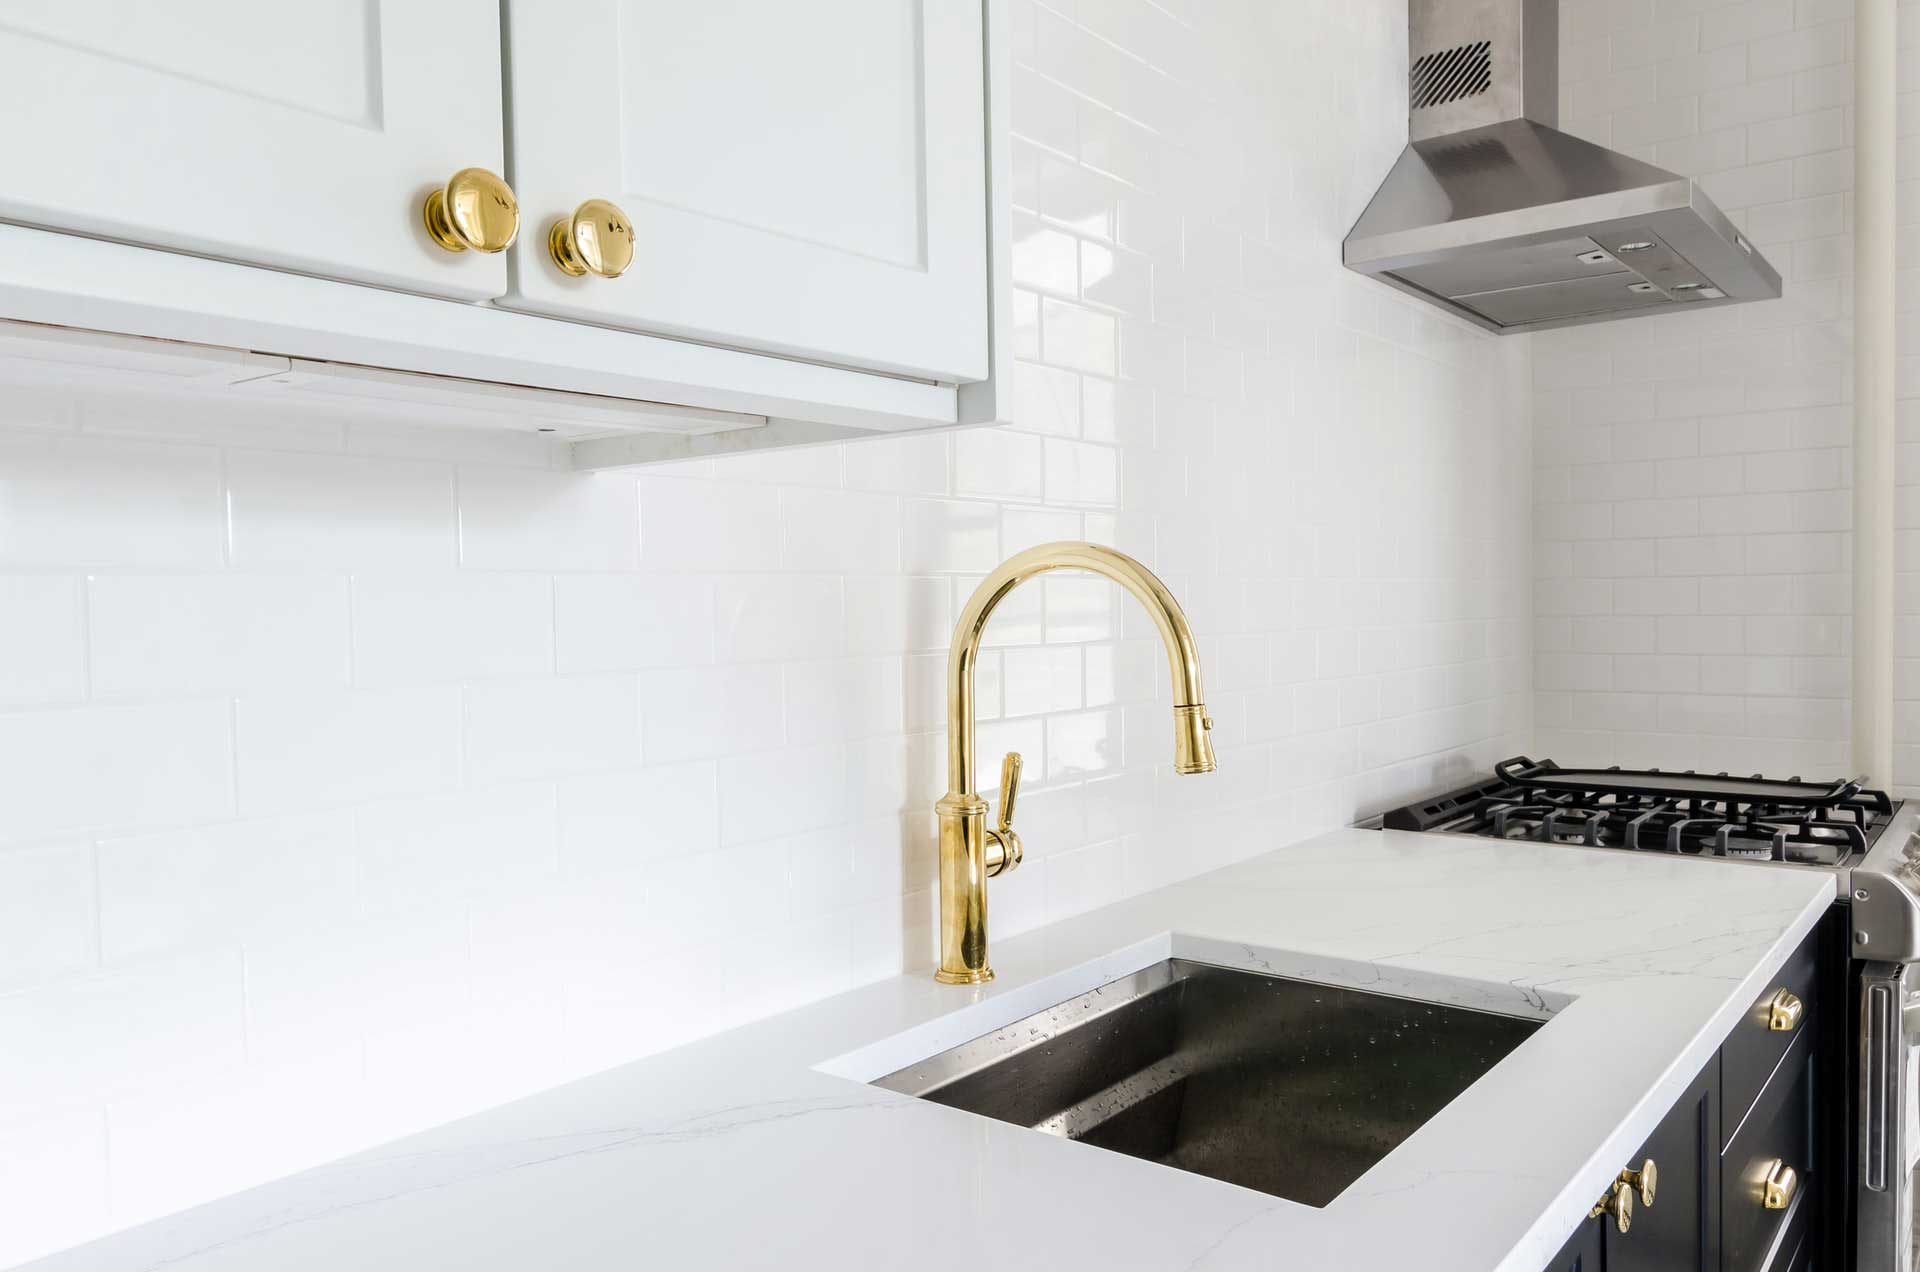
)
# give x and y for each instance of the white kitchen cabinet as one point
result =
(805, 179)
(224, 197)
(299, 137)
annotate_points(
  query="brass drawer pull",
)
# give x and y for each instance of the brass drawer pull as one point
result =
(1776, 1191)
(1643, 1181)
(1783, 1011)
(1618, 1202)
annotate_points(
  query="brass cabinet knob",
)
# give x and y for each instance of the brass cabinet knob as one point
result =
(1777, 1189)
(1004, 849)
(1783, 1011)
(475, 209)
(596, 239)
(1643, 1181)
(1618, 1202)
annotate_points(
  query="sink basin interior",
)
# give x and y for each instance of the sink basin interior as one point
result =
(1290, 1087)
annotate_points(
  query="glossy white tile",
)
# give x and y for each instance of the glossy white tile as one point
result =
(321, 750)
(86, 501)
(111, 767)
(620, 821)
(43, 644)
(49, 917)
(620, 622)
(340, 511)
(551, 727)
(218, 885)
(411, 629)
(172, 634)
(522, 520)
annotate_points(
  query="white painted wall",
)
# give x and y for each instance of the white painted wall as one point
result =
(1693, 471)
(353, 777)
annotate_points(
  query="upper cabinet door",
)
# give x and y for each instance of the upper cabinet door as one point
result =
(304, 137)
(804, 178)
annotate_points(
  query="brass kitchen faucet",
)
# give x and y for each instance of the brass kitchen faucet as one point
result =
(971, 852)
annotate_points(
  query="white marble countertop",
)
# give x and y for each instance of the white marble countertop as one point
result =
(764, 1148)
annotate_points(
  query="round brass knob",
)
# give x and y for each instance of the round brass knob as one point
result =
(475, 209)
(1783, 1011)
(596, 239)
(1619, 1203)
(1643, 1181)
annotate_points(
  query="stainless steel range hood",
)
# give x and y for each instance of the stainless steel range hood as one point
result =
(1493, 213)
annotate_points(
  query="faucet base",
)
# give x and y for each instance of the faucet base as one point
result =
(971, 976)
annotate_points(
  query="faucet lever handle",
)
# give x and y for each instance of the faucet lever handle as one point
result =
(1009, 789)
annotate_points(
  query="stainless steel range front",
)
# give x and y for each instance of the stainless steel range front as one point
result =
(1868, 841)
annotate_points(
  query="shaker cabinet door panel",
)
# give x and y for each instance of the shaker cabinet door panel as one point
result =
(300, 137)
(1680, 1231)
(801, 179)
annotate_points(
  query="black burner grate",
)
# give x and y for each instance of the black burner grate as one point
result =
(1717, 815)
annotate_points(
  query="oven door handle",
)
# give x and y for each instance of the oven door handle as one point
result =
(1880, 1113)
(1883, 1197)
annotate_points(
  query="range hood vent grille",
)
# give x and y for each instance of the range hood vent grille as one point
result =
(1449, 75)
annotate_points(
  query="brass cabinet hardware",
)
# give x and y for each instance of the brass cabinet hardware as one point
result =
(1618, 1202)
(596, 239)
(970, 851)
(1783, 1011)
(1777, 1189)
(476, 210)
(1643, 1181)
(1006, 851)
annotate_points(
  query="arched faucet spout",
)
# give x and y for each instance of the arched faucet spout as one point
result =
(970, 852)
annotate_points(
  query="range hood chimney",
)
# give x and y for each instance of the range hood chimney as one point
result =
(1493, 213)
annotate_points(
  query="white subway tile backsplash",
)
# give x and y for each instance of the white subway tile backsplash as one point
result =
(779, 616)
(835, 530)
(776, 792)
(1746, 517)
(911, 465)
(897, 615)
(86, 501)
(422, 628)
(461, 847)
(65, 1046)
(945, 536)
(1798, 135)
(698, 525)
(43, 647)
(700, 712)
(107, 767)
(225, 884)
(511, 519)
(154, 635)
(1078, 338)
(48, 915)
(339, 511)
(551, 727)
(618, 821)
(620, 622)
(318, 750)
(1082, 473)
(849, 698)
(997, 464)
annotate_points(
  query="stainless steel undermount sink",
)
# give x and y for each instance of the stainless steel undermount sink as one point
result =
(1289, 1087)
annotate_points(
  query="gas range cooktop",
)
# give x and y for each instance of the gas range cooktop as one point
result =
(1651, 810)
